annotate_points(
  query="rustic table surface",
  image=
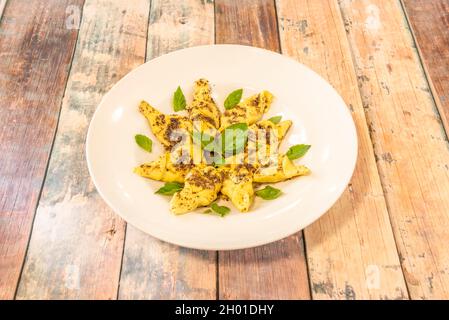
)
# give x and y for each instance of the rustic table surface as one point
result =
(386, 238)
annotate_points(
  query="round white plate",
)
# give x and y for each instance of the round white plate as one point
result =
(320, 118)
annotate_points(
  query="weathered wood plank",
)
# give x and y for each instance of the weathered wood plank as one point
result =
(35, 54)
(153, 269)
(277, 270)
(351, 250)
(430, 24)
(76, 246)
(409, 140)
(247, 22)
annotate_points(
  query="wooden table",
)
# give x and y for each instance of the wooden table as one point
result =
(386, 238)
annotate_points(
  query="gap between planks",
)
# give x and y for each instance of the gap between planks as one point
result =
(153, 269)
(404, 123)
(49, 156)
(345, 253)
(277, 270)
(73, 254)
(437, 77)
(28, 48)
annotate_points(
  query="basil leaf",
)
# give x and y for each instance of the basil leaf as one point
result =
(207, 211)
(297, 151)
(238, 126)
(144, 142)
(235, 137)
(221, 210)
(179, 100)
(170, 188)
(275, 119)
(231, 141)
(233, 99)
(204, 140)
(268, 193)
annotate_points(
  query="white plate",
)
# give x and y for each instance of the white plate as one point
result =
(320, 118)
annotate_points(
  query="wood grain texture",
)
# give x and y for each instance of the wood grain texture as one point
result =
(247, 22)
(409, 141)
(430, 25)
(277, 270)
(351, 250)
(76, 246)
(35, 54)
(153, 269)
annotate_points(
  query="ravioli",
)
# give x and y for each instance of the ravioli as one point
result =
(163, 169)
(280, 168)
(171, 129)
(238, 186)
(264, 138)
(201, 187)
(203, 108)
(249, 111)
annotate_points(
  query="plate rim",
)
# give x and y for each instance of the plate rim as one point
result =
(307, 222)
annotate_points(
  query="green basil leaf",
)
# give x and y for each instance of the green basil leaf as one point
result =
(179, 100)
(144, 142)
(275, 119)
(238, 126)
(221, 210)
(268, 193)
(204, 140)
(170, 188)
(235, 137)
(207, 211)
(233, 99)
(297, 151)
(231, 141)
